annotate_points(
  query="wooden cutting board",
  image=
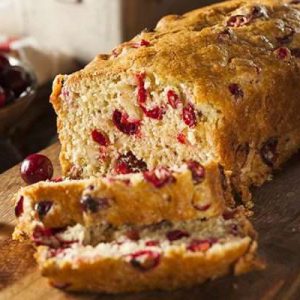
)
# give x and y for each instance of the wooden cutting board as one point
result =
(277, 219)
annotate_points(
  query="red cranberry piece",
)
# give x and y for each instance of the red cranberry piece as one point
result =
(234, 229)
(43, 208)
(189, 116)
(36, 167)
(128, 163)
(159, 177)
(173, 99)
(93, 205)
(152, 243)
(116, 52)
(100, 138)
(238, 20)
(295, 52)
(282, 53)
(16, 79)
(181, 138)
(124, 125)
(201, 245)
(44, 236)
(229, 214)
(65, 243)
(204, 207)
(19, 209)
(198, 171)
(57, 179)
(224, 35)
(236, 91)
(42, 232)
(133, 234)
(175, 235)
(141, 92)
(268, 151)
(154, 113)
(4, 62)
(142, 43)
(145, 260)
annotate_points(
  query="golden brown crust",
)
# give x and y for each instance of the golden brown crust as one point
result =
(116, 274)
(190, 49)
(134, 202)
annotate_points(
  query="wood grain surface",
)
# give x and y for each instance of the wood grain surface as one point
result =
(277, 219)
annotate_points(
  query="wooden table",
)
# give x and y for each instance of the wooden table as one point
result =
(277, 219)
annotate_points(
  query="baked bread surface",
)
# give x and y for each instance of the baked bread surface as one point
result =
(157, 259)
(121, 199)
(235, 68)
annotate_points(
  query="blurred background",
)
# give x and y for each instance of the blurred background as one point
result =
(39, 39)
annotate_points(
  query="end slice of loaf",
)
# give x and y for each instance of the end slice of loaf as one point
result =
(136, 258)
(193, 191)
(219, 83)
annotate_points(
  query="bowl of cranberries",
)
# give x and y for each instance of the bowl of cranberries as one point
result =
(17, 89)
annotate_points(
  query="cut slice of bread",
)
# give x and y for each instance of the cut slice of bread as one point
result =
(135, 258)
(193, 191)
(219, 83)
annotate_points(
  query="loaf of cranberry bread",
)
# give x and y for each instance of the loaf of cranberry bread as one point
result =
(164, 256)
(219, 83)
(141, 198)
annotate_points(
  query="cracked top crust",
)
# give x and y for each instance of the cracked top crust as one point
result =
(201, 50)
(240, 57)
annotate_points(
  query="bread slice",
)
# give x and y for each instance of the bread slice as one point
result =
(193, 191)
(135, 258)
(219, 83)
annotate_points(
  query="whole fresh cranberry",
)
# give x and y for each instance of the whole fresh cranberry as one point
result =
(6, 96)
(4, 63)
(16, 79)
(19, 208)
(36, 167)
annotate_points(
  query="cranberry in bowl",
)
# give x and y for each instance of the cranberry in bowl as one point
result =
(17, 90)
